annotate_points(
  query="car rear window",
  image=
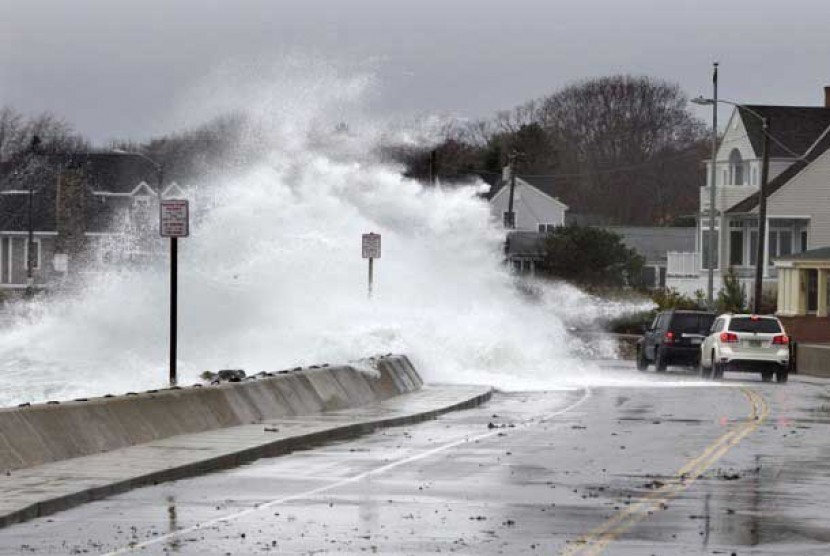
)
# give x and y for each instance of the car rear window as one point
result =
(692, 323)
(759, 325)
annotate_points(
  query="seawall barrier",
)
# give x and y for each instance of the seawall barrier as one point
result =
(813, 359)
(42, 433)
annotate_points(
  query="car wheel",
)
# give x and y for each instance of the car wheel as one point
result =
(704, 371)
(717, 368)
(781, 375)
(660, 361)
(766, 376)
(642, 362)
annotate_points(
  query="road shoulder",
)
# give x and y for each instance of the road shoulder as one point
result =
(46, 489)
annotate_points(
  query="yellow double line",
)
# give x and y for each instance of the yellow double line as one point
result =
(595, 541)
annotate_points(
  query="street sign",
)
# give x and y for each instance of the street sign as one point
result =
(371, 246)
(174, 218)
(174, 222)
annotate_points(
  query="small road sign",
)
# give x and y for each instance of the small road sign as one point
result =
(174, 218)
(371, 246)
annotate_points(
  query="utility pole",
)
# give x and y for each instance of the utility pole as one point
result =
(713, 244)
(30, 262)
(762, 220)
(510, 218)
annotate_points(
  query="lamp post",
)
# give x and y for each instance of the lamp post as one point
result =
(762, 195)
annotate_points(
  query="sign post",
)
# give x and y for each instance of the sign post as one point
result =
(174, 222)
(371, 251)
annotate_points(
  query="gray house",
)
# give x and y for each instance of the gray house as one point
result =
(83, 212)
(653, 244)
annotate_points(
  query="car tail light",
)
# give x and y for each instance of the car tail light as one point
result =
(729, 337)
(781, 340)
(669, 337)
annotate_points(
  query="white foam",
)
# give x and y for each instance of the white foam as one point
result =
(272, 277)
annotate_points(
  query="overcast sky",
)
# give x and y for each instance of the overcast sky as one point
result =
(124, 69)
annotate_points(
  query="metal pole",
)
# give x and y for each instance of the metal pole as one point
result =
(713, 246)
(371, 275)
(30, 275)
(762, 220)
(174, 263)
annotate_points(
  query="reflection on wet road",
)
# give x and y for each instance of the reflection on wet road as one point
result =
(671, 467)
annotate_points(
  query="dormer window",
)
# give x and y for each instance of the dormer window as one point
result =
(141, 202)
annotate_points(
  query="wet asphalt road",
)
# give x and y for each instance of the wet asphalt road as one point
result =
(666, 466)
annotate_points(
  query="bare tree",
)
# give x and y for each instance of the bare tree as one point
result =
(17, 131)
(633, 143)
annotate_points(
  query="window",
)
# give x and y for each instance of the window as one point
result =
(780, 244)
(509, 219)
(546, 228)
(736, 165)
(753, 247)
(812, 290)
(736, 247)
(704, 249)
(785, 243)
(755, 324)
(691, 323)
(35, 253)
(803, 241)
(754, 176)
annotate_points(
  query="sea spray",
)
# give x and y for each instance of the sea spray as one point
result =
(272, 277)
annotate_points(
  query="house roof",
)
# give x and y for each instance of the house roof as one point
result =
(793, 127)
(103, 172)
(820, 254)
(654, 242)
(820, 146)
(552, 186)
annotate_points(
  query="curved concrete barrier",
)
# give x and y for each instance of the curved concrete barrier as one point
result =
(43, 433)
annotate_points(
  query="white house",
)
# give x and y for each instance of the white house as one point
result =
(536, 209)
(798, 211)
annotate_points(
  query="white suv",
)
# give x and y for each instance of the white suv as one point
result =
(754, 343)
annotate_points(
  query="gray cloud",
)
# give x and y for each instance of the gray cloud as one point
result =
(125, 69)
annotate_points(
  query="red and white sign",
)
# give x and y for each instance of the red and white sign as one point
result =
(371, 246)
(174, 218)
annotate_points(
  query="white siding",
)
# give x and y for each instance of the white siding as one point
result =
(532, 207)
(735, 137)
(807, 195)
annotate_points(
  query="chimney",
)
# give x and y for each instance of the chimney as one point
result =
(70, 214)
(827, 96)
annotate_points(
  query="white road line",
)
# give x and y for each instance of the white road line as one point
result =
(586, 393)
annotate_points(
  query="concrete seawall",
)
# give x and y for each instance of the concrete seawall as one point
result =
(813, 359)
(44, 433)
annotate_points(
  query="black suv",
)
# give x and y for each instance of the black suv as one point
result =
(674, 338)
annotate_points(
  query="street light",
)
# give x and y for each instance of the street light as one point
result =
(159, 168)
(762, 194)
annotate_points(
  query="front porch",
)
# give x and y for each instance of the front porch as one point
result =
(738, 248)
